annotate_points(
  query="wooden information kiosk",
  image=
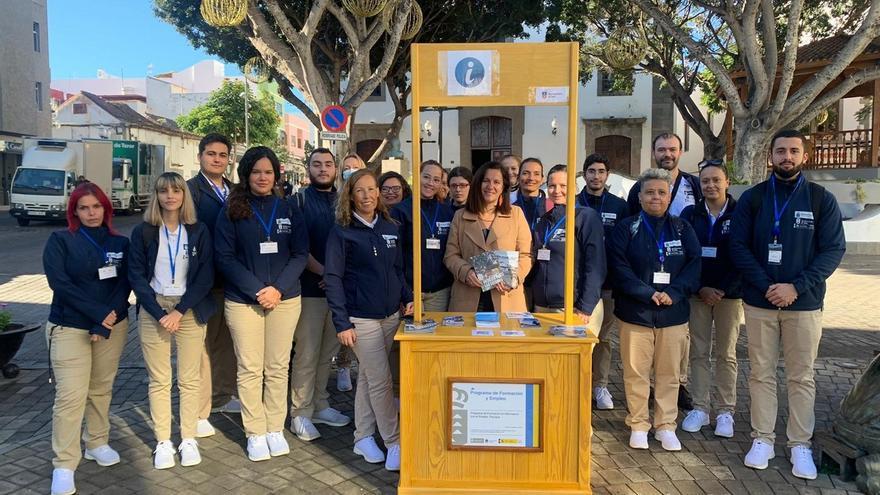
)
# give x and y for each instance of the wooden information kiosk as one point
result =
(505, 411)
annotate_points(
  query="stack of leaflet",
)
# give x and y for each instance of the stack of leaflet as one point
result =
(425, 326)
(453, 321)
(493, 267)
(526, 319)
(568, 331)
(487, 320)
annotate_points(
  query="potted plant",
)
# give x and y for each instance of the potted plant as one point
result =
(11, 336)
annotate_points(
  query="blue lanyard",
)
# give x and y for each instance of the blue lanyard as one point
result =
(586, 201)
(661, 254)
(94, 243)
(432, 225)
(267, 226)
(522, 204)
(172, 260)
(777, 212)
(550, 231)
(221, 193)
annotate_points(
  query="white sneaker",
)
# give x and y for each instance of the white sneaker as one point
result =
(802, 464)
(277, 443)
(392, 460)
(258, 448)
(603, 398)
(330, 417)
(343, 379)
(231, 407)
(668, 440)
(638, 439)
(103, 455)
(366, 447)
(695, 420)
(163, 456)
(204, 429)
(189, 452)
(62, 482)
(724, 425)
(759, 455)
(303, 428)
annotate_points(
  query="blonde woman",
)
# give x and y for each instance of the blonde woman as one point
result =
(172, 271)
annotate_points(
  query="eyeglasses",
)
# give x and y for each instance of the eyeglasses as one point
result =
(459, 186)
(391, 189)
(710, 163)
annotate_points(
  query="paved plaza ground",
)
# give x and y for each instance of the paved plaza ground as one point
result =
(705, 465)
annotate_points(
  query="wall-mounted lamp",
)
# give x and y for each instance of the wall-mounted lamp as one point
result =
(554, 126)
(427, 127)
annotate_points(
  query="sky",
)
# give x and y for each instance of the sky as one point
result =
(119, 36)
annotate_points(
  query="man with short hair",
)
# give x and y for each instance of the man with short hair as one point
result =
(315, 335)
(786, 240)
(210, 189)
(611, 210)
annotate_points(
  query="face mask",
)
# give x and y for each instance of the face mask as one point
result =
(347, 173)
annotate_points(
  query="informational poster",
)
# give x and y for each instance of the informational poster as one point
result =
(469, 72)
(503, 414)
(551, 94)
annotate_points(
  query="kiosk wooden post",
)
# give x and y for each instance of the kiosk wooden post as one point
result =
(541, 442)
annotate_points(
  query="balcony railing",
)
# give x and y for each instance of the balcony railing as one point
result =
(840, 149)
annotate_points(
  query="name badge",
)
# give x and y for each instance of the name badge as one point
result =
(268, 247)
(609, 218)
(543, 255)
(172, 290)
(662, 277)
(774, 254)
(710, 252)
(432, 243)
(106, 272)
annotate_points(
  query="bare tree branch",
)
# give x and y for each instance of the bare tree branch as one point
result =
(789, 59)
(284, 90)
(314, 18)
(768, 29)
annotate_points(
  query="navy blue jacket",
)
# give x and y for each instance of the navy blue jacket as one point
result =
(634, 259)
(199, 276)
(318, 208)
(435, 275)
(364, 272)
(548, 282)
(718, 272)
(208, 204)
(533, 208)
(611, 209)
(237, 250)
(812, 247)
(79, 298)
(633, 198)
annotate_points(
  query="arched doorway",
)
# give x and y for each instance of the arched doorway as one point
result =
(491, 138)
(617, 149)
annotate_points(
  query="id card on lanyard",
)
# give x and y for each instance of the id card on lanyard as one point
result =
(661, 277)
(544, 252)
(268, 246)
(108, 270)
(774, 248)
(174, 289)
(432, 242)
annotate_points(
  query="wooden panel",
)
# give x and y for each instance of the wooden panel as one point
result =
(502, 128)
(480, 133)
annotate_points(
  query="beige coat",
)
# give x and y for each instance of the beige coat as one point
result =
(509, 233)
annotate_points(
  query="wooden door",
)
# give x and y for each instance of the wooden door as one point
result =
(618, 149)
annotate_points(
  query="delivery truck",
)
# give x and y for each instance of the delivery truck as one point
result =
(135, 167)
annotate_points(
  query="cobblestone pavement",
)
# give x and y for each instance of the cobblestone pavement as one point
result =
(706, 464)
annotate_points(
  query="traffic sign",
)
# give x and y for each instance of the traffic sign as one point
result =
(334, 118)
(334, 136)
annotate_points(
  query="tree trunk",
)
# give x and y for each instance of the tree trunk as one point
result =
(750, 152)
(713, 147)
(393, 131)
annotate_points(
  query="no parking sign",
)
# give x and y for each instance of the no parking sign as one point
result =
(334, 118)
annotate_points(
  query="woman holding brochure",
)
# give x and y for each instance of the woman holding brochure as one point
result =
(488, 222)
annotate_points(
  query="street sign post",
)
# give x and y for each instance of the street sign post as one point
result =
(334, 118)
(334, 136)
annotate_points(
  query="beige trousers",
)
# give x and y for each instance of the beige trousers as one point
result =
(799, 332)
(316, 344)
(374, 399)
(263, 340)
(189, 340)
(436, 301)
(602, 351)
(218, 362)
(84, 374)
(642, 348)
(595, 318)
(726, 316)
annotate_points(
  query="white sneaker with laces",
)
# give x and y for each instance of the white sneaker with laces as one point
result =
(189, 452)
(759, 455)
(204, 429)
(303, 428)
(638, 439)
(103, 455)
(343, 379)
(724, 425)
(668, 440)
(277, 443)
(392, 460)
(62, 482)
(330, 417)
(367, 448)
(603, 398)
(695, 420)
(802, 464)
(163, 456)
(258, 448)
